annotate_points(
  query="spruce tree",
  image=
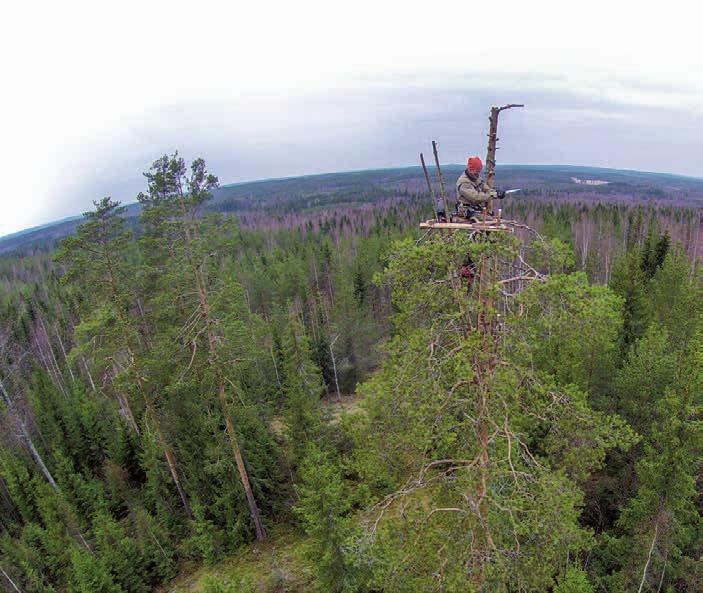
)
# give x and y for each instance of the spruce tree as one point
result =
(323, 508)
(661, 521)
(574, 581)
(90, 575)
(629, 282)
(303, 388)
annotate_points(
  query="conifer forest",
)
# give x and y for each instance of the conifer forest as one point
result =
(290, 387)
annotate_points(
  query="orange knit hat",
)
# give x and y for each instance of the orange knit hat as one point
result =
(474, 164)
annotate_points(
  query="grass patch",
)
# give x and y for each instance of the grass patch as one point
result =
(277, 565)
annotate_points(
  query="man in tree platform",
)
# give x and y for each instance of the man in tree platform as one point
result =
(472, 192)
(473, 195)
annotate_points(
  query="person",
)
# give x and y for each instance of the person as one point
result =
(472, 196)
(472, 192)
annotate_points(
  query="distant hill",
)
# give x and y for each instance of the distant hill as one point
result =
(39, 235)
(367, 186)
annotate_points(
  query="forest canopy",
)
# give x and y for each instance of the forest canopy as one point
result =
(180, 390)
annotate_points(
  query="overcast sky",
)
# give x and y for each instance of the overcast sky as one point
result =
(93, 92)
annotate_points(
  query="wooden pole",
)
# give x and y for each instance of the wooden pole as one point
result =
(334, 362)
(492, 145)
(429, 187)
(442, 192)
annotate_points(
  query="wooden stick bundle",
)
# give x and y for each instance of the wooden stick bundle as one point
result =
(429, 187)
(442, 192)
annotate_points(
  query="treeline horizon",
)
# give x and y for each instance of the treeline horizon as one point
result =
(301, 200)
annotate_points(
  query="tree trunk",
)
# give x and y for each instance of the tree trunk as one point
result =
(90, 377)
(214, 363)
(63, 351)
(484, 369)
(649, 558)
(173, 468)
(7, 576)
(26, 437)
(52, 360)
(275, 367)
(125, 409)
(243, 474)
(492, 145)
(45, 362)
(334, 367)
(35, 455)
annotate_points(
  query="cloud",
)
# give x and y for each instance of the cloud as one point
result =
(377, 127)
(264, 89)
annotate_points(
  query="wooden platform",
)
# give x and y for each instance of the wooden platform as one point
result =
(490, 224)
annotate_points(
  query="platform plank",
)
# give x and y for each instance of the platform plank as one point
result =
(489, 225)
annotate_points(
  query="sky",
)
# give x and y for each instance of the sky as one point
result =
(94, 92)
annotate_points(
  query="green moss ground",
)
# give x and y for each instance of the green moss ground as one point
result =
(277, 565)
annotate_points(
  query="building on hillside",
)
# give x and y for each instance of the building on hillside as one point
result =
(589, 181)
